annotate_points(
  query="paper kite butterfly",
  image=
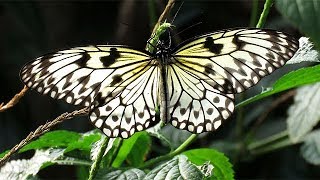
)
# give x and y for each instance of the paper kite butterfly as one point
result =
(192, 86)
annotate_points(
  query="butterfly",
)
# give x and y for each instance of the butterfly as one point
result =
(193, 85)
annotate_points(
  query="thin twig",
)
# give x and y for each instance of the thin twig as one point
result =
(164, 15)
(41, 130)
(14, 100)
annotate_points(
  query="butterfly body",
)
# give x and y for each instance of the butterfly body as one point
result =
(193, 84)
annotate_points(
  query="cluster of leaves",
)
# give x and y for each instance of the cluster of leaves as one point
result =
(123, 159)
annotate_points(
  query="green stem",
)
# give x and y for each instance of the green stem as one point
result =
(271, 143)
(177, 151)
(264, 14)
(275, 146)
(268, 140)
(95, 166)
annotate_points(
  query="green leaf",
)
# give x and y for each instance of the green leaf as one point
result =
(139, 151)
(177, 168)
(222, 167)
(22, 169)
(126, 148)
(156, 131)
(304, 14)
(130, 174)
(310, 149)
(84, 143)
(65, 160)
(304, 114)
(60, 138)
(293, 79)
(176, 138)
(108, 158)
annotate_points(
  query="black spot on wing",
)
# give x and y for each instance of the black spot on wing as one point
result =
(208, 69)
(82, 62)
(238, 42)
(116, 79)
(183, 111)
(99, 100)
(214, 48)
(115, 118)
(210, 111)
(109, 60)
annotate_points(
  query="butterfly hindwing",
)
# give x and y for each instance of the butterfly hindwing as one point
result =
(195, 105)
(132, 109)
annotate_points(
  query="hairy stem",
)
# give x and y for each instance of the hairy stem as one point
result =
(43, 129)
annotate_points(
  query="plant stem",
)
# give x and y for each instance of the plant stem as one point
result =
(177, 151)
(95, 166)
(268, 140)
(264, 14)
(271, 143)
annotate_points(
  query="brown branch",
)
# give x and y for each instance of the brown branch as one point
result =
(41, 130)
(14, 100)
(164, 14)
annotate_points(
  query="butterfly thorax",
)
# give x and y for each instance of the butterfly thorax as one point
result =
(163, 55)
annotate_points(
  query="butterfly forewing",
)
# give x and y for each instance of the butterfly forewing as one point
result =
(240, 56)
(118, 83)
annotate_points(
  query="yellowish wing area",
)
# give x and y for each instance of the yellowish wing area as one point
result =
(196, 47)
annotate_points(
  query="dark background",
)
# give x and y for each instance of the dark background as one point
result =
(30, 29)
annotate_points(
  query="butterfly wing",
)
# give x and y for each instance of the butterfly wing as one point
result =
(207, 70)
(118, 83)
(194, 103)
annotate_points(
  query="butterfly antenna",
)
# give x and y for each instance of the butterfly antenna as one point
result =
(189, 27)
(183, 31)
(174, 17)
